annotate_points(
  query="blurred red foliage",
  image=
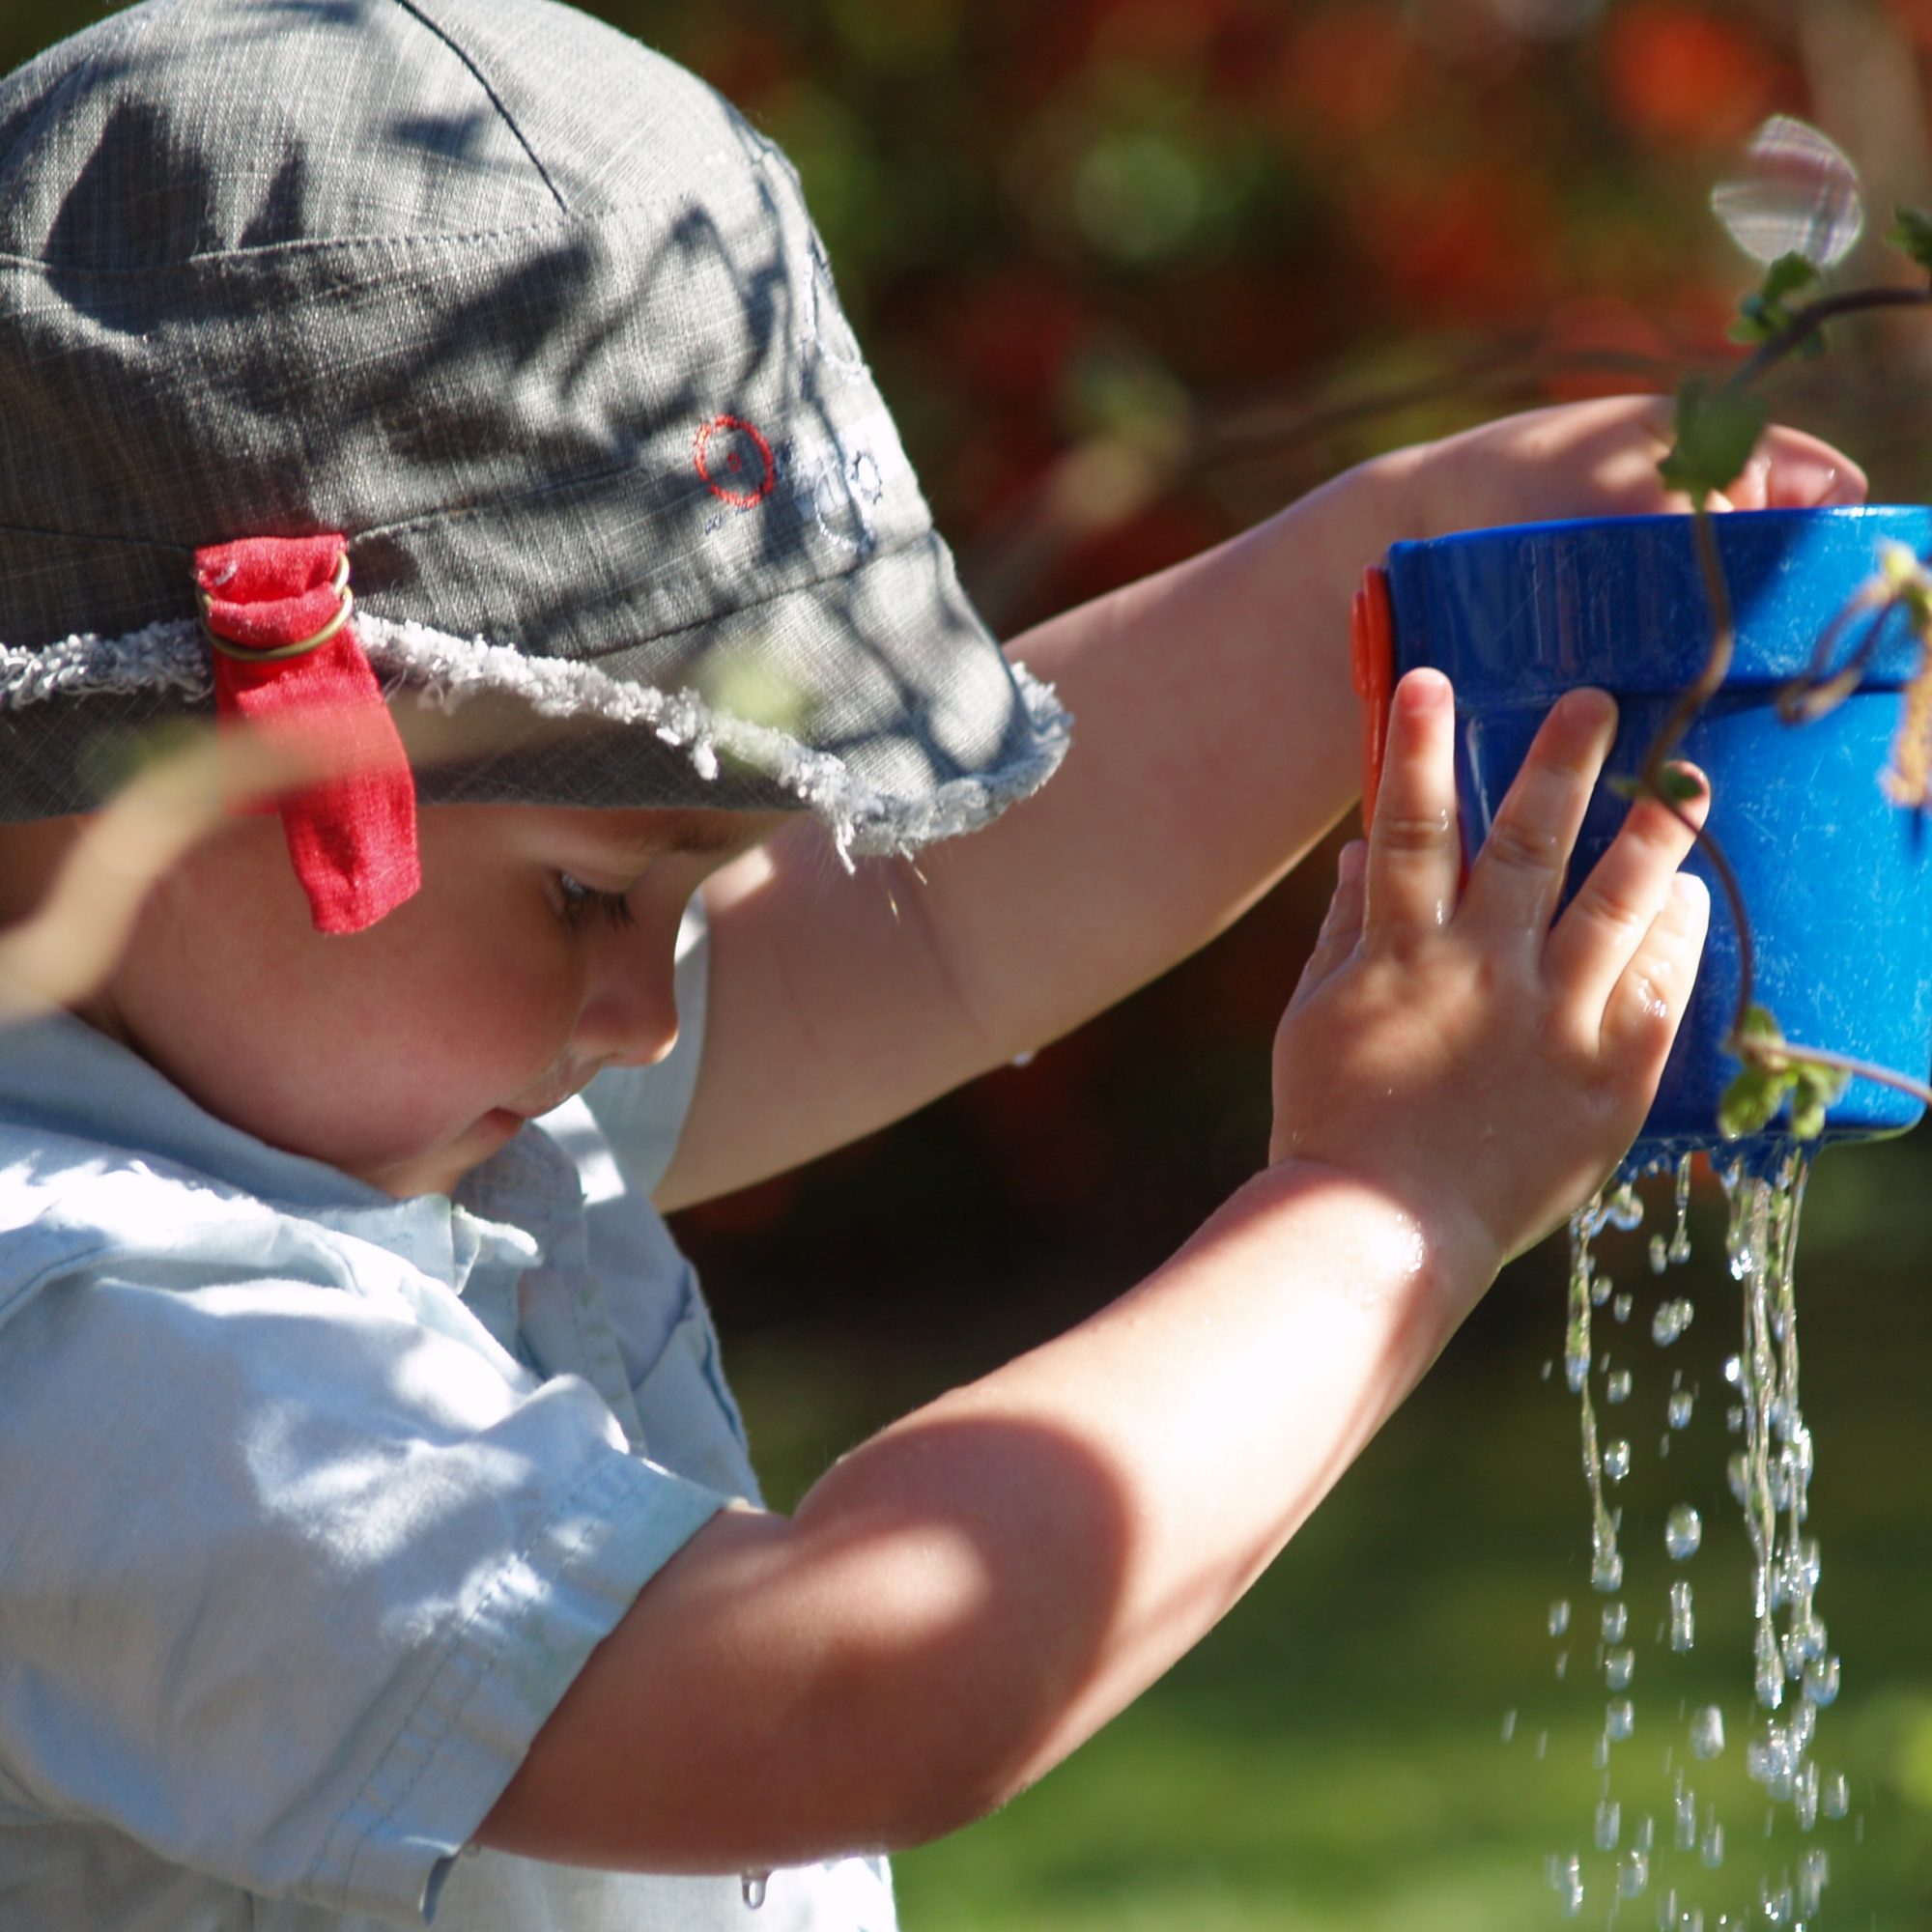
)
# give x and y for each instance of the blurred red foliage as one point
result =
(1345, 75)
(1681, 77)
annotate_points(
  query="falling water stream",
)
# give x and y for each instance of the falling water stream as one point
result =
(1793, 1674)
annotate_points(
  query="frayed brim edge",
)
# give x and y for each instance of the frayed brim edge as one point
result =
(445, 670)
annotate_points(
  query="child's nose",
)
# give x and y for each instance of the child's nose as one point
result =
(630, 1011)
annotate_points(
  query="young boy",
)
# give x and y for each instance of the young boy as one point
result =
(369, 1489)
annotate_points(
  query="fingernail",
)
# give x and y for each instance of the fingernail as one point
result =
(1816, 482)
(1690, 891)
(1422, 689)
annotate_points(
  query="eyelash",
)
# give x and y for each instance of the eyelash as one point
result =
(580, 901)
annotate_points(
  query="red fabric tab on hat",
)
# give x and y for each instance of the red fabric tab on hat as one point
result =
(352, 837)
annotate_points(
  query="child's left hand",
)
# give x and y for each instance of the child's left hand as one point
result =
(1599, 458)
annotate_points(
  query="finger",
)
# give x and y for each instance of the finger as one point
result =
(1341, 929)
(1652, 994)
(1518, 876)
(1602, 927)
(1414, 858)
(1791, 470)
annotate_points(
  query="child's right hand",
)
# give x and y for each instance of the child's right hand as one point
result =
(1485, 1067)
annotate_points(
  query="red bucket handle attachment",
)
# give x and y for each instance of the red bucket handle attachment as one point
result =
(1372, 663)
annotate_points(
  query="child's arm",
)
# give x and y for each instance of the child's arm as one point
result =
(962, 1600)
(1217, 739)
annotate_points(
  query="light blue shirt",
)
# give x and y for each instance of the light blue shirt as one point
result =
(313, 1502)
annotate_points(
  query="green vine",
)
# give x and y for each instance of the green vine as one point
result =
(1716, 427)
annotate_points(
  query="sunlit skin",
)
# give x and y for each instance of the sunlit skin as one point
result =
(538, 952)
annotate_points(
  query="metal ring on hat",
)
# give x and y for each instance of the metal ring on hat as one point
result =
(339, 584)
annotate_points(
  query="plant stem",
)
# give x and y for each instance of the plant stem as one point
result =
(1692, 698)
(1812, 317)
(1775, 1055)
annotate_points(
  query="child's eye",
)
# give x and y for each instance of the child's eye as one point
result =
(581, 902)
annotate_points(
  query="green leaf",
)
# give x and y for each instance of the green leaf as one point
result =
(1758, 1023)
(1785, 277)
(1808, 1111)
(1912, 233)
(1679, 787)
(1751, 1101)
(1765, 313)
(1716, 431)
(1814, 1088)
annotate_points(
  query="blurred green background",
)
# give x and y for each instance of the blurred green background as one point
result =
(1133, 273)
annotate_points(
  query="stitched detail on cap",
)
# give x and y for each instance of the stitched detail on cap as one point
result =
(482, 80)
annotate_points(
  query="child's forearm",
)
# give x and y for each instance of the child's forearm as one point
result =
(1217, 736)
(964, 1599)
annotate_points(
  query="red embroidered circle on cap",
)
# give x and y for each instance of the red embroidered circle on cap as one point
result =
(729, 453)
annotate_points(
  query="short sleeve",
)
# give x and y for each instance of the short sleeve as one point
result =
(640, 1110)
(290, 1582)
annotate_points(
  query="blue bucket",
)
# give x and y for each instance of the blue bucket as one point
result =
(1837, 879)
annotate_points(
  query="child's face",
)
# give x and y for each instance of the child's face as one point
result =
(408, 1053)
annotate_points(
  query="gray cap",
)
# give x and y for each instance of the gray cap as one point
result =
(538, 322)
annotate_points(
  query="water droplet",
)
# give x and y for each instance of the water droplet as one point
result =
(1617, 1386)
(1712, 1850)
(1559, 1616)
(1734, 1370)
(1619, 1666)
(1798, 195)
(1707, 1733)
(1683, 1618)
(1619, 1720)
(1804, 1797)
(1683, 1533)
(1548, 1369)
(1566, 1880)
(1835, 1799)
(1821, 1680)
(1671, 1320)
(1814, 1874)
(753, 1888)
(1509, 1725)
(1607, 1573)
(1562, 1663)
(1632, 1873)
(1541, 1746)
(1679, 1409)
(1616, 1459)
(1609, 1824)
(1684, 1810)
(1623, 1209)
(1659, 1254)
(1616, 1620)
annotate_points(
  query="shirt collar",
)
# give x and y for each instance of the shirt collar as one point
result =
(59, 1075)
